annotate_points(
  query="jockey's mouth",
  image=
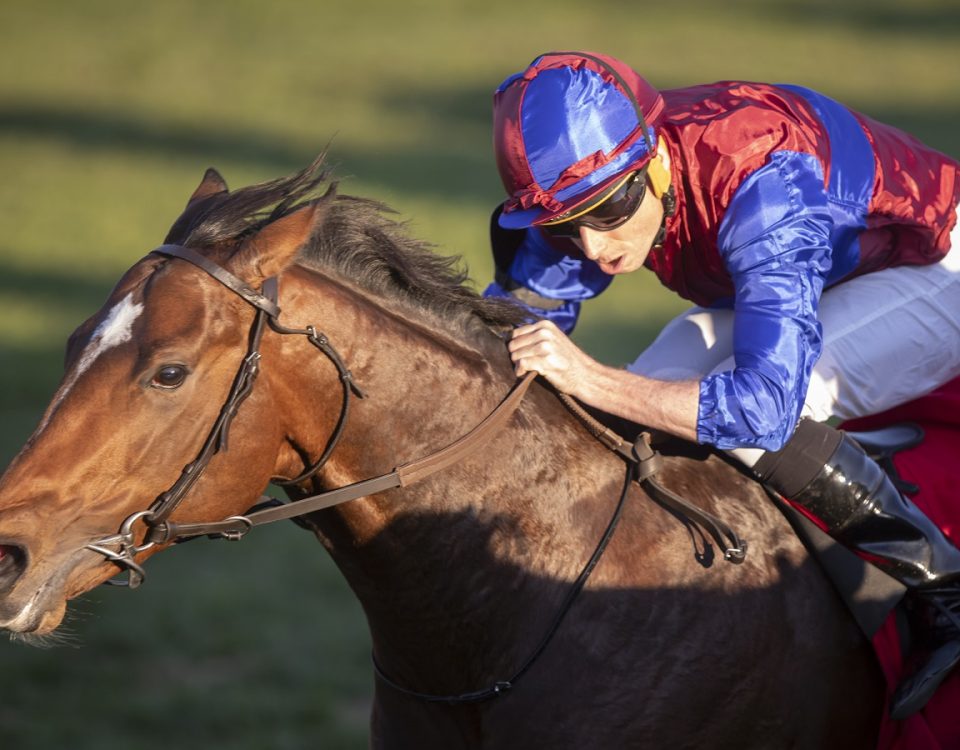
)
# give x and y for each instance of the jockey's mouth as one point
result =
(612, 266)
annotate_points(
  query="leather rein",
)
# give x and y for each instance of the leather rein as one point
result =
(121, 548)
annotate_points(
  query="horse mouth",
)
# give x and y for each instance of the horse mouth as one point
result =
(41, 611)
(38, 615)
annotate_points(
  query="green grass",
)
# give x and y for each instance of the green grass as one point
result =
(109, 114)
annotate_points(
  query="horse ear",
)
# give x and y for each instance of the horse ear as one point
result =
(211, 185)
(274, 248)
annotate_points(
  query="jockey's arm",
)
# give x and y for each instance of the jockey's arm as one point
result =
(778, 260)
(670, 406)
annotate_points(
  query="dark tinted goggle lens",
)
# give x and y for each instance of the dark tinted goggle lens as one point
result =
(609, 214)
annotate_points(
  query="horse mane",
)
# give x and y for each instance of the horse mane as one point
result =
(359, 240)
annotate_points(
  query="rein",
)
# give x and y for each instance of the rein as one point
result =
(160, 530)
(648, 463)
(122, 548)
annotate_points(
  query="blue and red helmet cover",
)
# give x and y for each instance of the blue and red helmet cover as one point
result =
(566, 128)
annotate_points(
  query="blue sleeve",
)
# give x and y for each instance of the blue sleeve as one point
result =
(545, 269)
(775, 241)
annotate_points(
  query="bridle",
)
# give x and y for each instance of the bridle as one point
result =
(122, 548)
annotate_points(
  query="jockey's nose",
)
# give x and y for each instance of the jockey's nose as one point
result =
(592, 243)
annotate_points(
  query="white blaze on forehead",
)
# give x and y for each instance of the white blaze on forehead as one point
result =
(113, 330)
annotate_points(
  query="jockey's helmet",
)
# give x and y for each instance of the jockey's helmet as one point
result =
(566, 129)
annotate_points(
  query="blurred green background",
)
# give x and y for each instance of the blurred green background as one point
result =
(109, 114)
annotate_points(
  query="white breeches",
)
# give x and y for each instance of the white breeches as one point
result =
(888, 337)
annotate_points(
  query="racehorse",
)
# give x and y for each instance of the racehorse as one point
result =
(461, 573)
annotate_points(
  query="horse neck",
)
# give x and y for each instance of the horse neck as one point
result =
(437, 564)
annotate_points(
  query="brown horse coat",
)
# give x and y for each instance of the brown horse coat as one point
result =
(460, 575)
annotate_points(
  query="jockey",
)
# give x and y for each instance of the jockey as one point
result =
(815, 243)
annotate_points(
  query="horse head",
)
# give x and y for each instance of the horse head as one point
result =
(145, 378)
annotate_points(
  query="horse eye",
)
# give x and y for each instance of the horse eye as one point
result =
(169, 376)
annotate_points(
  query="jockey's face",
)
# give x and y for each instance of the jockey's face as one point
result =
(624, 248)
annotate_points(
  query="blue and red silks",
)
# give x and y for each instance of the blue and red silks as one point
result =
(781, 193)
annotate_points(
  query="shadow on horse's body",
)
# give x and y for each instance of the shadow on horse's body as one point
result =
(459, 575)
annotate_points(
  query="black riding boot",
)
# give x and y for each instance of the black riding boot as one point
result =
(829, 477)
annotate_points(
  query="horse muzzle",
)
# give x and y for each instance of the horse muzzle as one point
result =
(32, 597)
(41, 613)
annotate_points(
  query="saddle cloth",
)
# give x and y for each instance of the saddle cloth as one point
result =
(934, 467)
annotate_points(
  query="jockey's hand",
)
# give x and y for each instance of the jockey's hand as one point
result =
(545, 349)
(668, 406)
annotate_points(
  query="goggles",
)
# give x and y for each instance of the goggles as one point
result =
(609, 212)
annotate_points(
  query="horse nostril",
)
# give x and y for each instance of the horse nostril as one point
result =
(13, 561)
